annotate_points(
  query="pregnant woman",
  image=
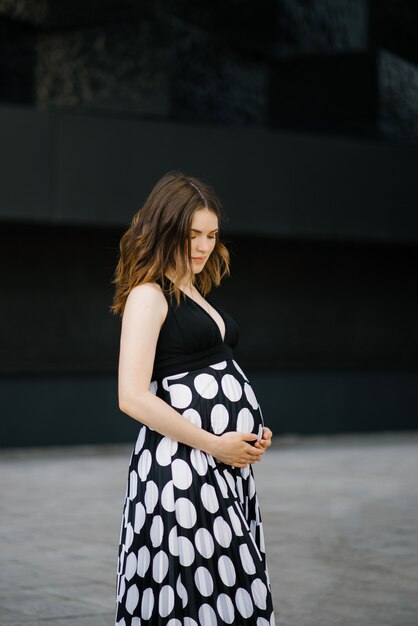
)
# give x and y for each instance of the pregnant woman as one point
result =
(191, 549)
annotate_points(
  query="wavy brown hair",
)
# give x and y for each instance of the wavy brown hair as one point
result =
(158, 239)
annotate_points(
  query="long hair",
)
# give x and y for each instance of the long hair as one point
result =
(159, 239)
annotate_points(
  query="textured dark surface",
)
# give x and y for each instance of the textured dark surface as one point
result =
(398, 104)
(319, 65)
(109, 67)
(299, 305)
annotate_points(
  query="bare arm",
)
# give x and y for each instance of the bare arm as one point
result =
(144, 313)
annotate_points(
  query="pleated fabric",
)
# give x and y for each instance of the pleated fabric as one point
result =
(191, 549)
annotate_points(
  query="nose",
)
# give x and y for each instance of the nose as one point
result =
(203, 246)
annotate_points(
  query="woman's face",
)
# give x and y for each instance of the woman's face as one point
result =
(202, 237)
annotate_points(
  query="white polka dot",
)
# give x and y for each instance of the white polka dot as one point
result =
(268, 578)
(262, 544)
(206, 385)
(129, 537)
(147, 603)
(246, 559)
(219, 418)
(245, 471)
(243, 602)
(236, 524)
(186, 551)
(166, 600)
(182, 475)
(140, 440)
(262, 622)
(209, 498)
(166, 380)
(222, 532)
(182, 592)
(219, 366)
(240, 490)
(174, 622)
(259, 591)
(144, 560)
(249, 392)
(121, 561)
(180, 396)
(139, 517)
(160, 566)
(222, 484)
(157, 531)
(153, 387)
(188, 621)
(243, 518)
(231, 482)
(133, 485)
(185, 513)
(211, 460)
(199, 461)
(130, 569)
(126, 511)
(272, 619)
(132, 598)
(239, 369)
(193, 416)
(136, 621)
(245, 421)
(151, 496)
(165, 450)
(231, 387)
(251, 487)
(121, 588)
(121, 622)
(167, 497)
(144, 464)
(203, 581)
(173, 541)
(225, 608)
(226, 570)
(204, 543)
(207, 616)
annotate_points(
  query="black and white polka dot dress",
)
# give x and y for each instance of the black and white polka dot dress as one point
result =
(192, 549)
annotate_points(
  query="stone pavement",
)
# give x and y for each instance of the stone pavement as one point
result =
(340, 516)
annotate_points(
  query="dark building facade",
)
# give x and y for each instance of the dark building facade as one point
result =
(302, 116)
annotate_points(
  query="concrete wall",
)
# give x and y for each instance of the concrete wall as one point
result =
(69, 168)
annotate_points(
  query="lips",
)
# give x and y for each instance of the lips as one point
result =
(196, 258)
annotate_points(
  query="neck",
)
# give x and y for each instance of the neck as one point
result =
(183, 283)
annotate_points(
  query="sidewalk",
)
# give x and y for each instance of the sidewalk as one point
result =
(340, 516)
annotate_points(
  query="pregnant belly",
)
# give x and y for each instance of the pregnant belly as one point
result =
(218, 398)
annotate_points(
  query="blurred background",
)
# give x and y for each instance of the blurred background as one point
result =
(304, 117)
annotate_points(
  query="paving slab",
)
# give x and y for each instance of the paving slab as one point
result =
(340, 515)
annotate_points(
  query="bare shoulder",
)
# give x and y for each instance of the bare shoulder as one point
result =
(148, 296)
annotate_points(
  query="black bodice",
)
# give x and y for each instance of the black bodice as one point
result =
(190, 338)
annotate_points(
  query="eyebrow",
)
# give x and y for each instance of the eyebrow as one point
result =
(215, 230)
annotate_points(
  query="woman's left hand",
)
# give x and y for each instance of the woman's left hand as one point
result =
(265, 441)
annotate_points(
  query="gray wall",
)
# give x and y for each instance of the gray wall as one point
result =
(327, 333)
(85, 169)
(324, 256)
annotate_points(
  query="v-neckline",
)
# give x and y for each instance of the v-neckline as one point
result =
(208, 314)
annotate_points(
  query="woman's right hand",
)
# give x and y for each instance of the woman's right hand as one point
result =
(232, 448)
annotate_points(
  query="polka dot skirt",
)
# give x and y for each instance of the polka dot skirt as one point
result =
(191, 549)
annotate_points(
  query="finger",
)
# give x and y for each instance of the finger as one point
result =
(248, 436)
(255, 452)
(267, 433)
(263, 444)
